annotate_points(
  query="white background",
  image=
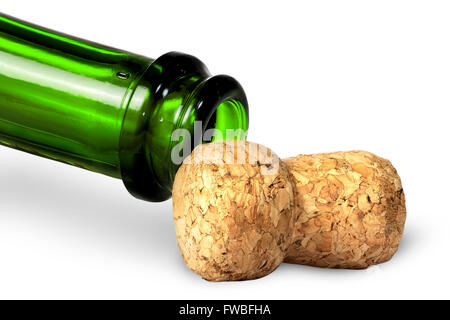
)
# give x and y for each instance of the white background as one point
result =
(320, 76)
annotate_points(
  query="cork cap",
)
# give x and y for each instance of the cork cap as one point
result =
(234, 211)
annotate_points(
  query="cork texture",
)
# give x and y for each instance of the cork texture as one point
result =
(233, 220)
(351, 210)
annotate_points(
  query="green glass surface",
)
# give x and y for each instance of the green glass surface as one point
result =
(104, 109)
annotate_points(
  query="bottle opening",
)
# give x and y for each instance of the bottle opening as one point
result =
(229, 120)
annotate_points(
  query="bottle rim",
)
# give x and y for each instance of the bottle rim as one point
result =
(216, 102)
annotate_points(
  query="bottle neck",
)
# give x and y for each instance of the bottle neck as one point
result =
(174, 104)
(62, 97)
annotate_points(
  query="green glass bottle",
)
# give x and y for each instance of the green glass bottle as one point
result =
(108, 110)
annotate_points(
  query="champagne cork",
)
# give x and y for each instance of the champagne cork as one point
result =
(240, 211)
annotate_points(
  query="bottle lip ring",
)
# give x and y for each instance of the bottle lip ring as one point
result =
(205, 97)
(212, 93)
